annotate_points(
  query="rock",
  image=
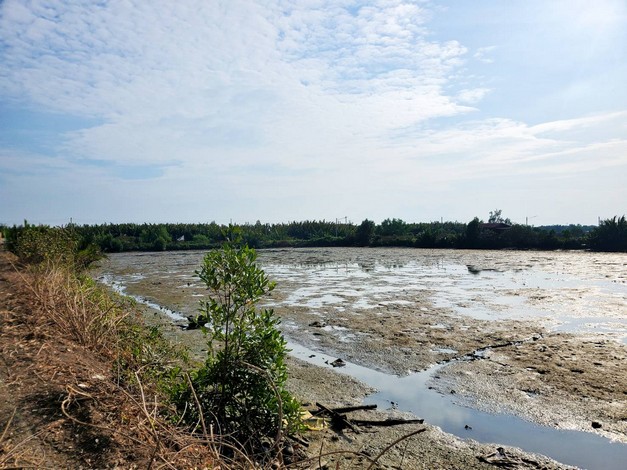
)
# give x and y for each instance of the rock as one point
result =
(196, 322)
(338, 363)
(596, 425)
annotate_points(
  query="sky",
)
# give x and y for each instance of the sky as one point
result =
(278, 111)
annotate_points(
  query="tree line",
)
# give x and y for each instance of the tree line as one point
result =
(496, 233)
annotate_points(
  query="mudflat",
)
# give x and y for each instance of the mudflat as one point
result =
(495, 318)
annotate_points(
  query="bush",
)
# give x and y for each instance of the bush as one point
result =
(610, 235)
(59, 246)
(241, 386)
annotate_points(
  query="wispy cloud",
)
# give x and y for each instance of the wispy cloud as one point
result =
(166, 77)
(483, 54)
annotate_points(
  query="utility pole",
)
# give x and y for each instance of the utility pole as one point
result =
(337, 223)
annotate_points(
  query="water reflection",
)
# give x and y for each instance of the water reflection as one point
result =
(411, 393)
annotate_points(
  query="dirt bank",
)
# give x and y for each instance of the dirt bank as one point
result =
(65, 405)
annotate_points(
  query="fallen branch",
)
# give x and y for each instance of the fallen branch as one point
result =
(348, 409)
(338, 420)
(386, 422)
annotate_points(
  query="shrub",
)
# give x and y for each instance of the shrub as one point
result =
(59, 246)
(241, 386)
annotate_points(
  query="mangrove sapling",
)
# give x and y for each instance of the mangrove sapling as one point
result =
(241, 385)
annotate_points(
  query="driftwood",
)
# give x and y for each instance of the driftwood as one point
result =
(386, 422)
(340, 421)
(348, 409)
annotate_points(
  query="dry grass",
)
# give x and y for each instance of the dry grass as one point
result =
(60, 341)
(78, 308)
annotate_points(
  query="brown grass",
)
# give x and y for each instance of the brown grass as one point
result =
(78, 309)
(62, 404)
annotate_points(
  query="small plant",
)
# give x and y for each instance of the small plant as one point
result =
(241, 386)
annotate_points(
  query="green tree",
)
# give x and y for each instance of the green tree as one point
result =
(473, 229)
(393, 227)
(242, 383)
(610, 235)
(365, 233)
(497, 218)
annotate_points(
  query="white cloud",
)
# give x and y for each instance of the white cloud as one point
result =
(483, 54)
(172, 79)
(178, 82)
(582, 122)
(472, 96)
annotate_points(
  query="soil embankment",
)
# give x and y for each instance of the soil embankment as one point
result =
(38, 370)
(65, 406)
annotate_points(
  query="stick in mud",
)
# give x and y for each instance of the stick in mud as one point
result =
(386, 422)
(348, 409)
(338, 420)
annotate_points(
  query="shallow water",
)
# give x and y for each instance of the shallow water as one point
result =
(576, 292)
(411, 393)
(568, 291)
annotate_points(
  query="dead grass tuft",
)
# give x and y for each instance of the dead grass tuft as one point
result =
(78, 308)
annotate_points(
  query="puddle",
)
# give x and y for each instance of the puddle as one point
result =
(412, 394)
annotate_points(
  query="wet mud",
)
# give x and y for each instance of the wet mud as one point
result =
(551, 327)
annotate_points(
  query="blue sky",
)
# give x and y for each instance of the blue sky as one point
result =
(195, 111)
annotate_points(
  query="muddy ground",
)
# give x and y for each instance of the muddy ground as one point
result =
(561, 380)
(555, 379)
(429, 449)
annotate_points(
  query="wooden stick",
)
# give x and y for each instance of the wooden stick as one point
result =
(386, 422)
(337, 419)
(348, 409)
